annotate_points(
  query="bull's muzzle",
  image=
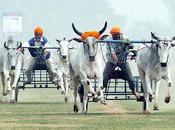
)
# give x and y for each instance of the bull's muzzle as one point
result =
(163, 64)
(64, 57)
(12, 67)
(91, 58)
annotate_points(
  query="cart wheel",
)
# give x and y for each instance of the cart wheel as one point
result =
(16, 94)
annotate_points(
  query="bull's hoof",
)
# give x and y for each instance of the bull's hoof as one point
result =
(155, 108)
(84, 112)
(75, 108)
(66, 99)
(4, 93)
(103, 101)
(95, 99)
(58, 87)
(167, 99)
(12, 101)
(8, 91)
(62, 92)
(146, 112)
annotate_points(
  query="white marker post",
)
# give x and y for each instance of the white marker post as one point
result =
(12, 24)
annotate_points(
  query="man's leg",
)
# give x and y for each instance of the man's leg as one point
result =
(107, 73)
(51, 69)
(126, 74)
(29, 69)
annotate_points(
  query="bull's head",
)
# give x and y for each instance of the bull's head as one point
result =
(89, 41)
(12, 52)
(163, 48)
(64, 47)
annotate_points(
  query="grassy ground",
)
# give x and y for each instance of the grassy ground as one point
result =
(44, 109)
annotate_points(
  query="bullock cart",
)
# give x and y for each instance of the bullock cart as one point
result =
(118, 89)
(40, 75)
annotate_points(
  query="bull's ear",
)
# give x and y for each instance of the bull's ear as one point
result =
(153, 35)
(103, 37)
(77, 40)
(70, 40)
(57, 40)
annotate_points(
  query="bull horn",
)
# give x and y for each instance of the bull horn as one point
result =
(19, 45)
(76, 31)
(154, 36)
(5, 46)
(70, 40)
(104, 28)
(173, 38)
(57, 40)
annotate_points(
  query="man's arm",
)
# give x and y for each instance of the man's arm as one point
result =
(111, 51)
(46, 51)
(47, 45)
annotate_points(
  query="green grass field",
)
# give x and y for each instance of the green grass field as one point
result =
(44, 109)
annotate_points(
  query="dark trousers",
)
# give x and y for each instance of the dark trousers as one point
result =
(111, 73)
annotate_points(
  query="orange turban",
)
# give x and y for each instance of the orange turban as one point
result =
(115, 29)
(38, 30)
(94, 34)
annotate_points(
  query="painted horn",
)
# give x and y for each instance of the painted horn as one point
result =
(5, 46)
(154, 36)
(173, 38)
(76, 31)
(57, 40)
(104, 28)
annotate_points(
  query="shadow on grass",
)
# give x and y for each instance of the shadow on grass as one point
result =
(42, 103)
(35, 103)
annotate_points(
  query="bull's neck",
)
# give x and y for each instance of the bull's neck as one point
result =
(154, 53)
(92, 63)
(160, 70)
(163, 68)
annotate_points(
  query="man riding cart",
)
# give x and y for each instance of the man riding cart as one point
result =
(117, 66)
(39, 54)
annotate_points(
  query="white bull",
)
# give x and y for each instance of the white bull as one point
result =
(63, 65)
(11, 62)
(153, 65)
(86, 63)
